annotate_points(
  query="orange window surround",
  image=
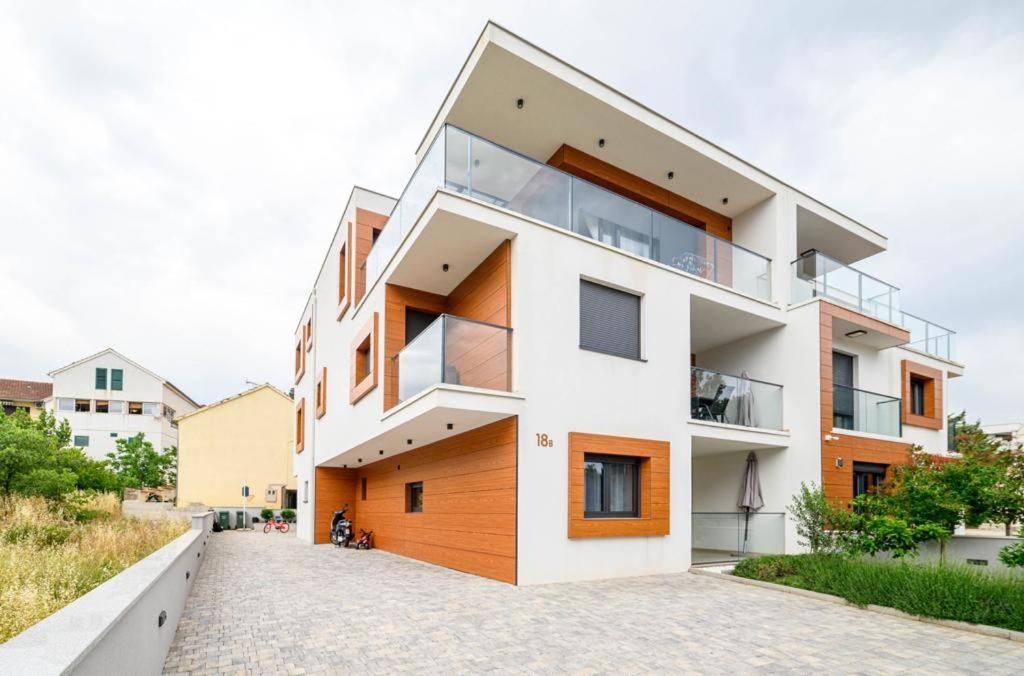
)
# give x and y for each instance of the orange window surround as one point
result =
(300, 360)
(307, 334)
(931, 380)
(300, 425)
(363, 361)
(321, 393)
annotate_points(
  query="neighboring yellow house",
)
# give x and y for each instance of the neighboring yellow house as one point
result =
(25, 395)
(244, 440)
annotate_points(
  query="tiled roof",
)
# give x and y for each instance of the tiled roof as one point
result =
(24, 390)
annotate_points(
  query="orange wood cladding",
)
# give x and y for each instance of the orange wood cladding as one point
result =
(335, 487)
(838, 481)
(320, 393)
(360, 386)
(344, 271)
(654, 486)
(366, 223)
(932, 418)
(468, 520)
(590, 168)
(300, 425)
(482, 360)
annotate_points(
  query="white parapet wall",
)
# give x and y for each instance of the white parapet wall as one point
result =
(125, 625)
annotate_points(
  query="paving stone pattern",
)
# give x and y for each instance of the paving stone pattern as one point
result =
(272, 604)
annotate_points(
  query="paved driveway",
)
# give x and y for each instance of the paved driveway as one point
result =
(273, 604)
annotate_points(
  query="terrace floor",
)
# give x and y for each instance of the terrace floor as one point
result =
(273, 604)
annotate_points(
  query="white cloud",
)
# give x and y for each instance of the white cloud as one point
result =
(171, 173)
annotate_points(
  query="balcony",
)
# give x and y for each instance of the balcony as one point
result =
(817, 275)
(456, 351)
(469, 165)
(863, 411)
(734, 400)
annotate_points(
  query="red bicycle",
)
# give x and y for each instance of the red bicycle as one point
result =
(277, 523)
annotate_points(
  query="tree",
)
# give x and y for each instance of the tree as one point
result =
(139, 465)
(816, 520)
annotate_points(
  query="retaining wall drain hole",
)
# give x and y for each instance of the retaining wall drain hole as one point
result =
(163, 618)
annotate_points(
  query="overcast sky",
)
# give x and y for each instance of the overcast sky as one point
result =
(171, 173)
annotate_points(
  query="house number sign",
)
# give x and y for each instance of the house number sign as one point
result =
(544, 441)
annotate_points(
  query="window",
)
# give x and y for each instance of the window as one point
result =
(300, 360)
(609, 320)
(150, 408)
(362, 488)
(342, 270)
(83, 405)
(115, 407)
(102, 406)
(867, 477)
(113, 435)
(81, 440)
(320, 394)
(364, 359)
(168, 412)
(116, 379)
(611, 486)
(363, 371)
(101, 379)
(300, 425)
(65, 404)
(305, 491)
(414, 497)
(308, 334)
(134, 408)
(917, 386)
(842, 391)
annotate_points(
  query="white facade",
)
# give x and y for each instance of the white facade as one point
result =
(751, 323)
(136, 402)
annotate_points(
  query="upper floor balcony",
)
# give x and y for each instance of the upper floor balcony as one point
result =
(818, 275)
(461, 162)
(863, 411)
(734, 400)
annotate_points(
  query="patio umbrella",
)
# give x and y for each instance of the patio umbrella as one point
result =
(744, 397)
(750, 494)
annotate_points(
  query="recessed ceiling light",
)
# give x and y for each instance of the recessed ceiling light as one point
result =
(856, 333)
(600, 143)
(520, 103)
(671, 175)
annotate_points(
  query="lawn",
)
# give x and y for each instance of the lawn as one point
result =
(951, 592)
(51, 556)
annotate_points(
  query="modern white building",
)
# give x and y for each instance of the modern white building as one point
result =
(1009, 435)
(106, 397)
(550, 357)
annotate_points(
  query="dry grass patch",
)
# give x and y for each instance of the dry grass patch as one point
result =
(49, 556)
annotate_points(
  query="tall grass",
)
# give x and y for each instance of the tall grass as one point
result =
(950, 592)
(50, 555)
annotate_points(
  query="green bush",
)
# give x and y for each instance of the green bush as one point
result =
(951, 592)
(266, 514)
(288, 515)
(1013, 555)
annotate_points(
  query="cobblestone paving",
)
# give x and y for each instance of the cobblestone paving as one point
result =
(273, 604)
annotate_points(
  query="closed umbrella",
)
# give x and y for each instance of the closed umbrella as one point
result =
(750, 494)
(745, 402)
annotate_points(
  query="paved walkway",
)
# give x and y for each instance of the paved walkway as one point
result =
(273, 604)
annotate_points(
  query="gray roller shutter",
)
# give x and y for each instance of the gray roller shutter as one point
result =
(609, 320)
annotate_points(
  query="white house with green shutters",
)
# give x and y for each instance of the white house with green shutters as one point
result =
(106, 397)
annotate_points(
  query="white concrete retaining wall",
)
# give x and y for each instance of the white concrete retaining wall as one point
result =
(125, 625)
(960, 548)
(157, 510)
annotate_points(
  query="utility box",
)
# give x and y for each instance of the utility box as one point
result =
(239, 520)
(225, 519)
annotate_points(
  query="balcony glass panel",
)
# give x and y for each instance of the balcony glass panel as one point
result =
(815, 274)
(721, 536)
(456, 351)
(864, 411)
(464, 163)
(928, 337)
(735, 400)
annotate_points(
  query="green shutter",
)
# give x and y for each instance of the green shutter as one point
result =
(101, 379)
(116, 379)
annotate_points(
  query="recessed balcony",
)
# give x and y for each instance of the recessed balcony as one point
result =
(815, 275)
(461, 162)
(734, 400)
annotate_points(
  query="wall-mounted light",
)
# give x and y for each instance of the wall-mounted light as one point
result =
(671, 175)
(856, 333)
(520, 103)
(600, 143)
(839, 463)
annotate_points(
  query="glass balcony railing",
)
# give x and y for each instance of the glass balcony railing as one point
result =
(467, 164)
(456, 351)
(736, 400)
(928, 337)
(722, 536)
(863, 411)
(815, 274)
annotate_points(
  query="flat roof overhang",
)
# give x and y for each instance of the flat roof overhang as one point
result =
(563, 105)
(424, 419)
(711, 438)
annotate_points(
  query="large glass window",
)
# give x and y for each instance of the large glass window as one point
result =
(917, 386)
(150, 408)
(611, 486)
(867, 477)
(101, 379)
(414, 497)
(83, 405)
(65, 404)
(116, 379)
(115, 406)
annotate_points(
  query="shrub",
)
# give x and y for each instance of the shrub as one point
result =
(952, 592)
(288, 515)
(818, 522)
(1013, 555)
(266, 514)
